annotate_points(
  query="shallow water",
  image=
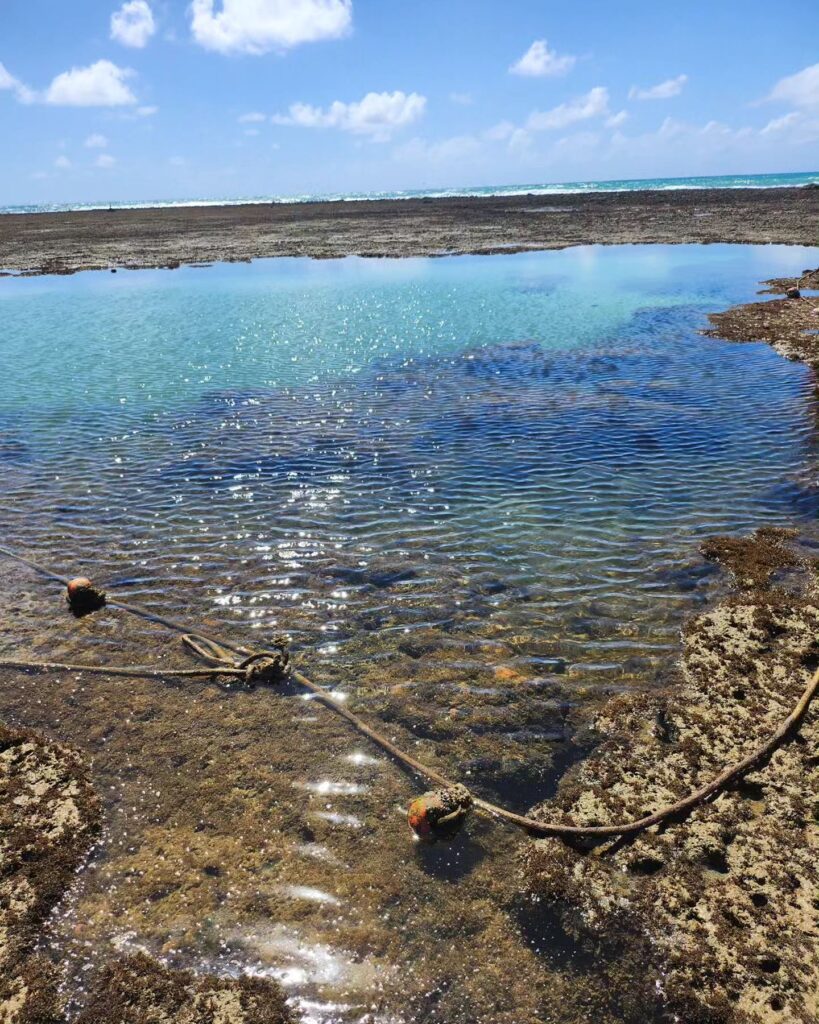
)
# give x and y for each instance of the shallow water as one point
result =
(471, 489)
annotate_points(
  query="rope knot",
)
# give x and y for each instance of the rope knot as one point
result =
(268, 668)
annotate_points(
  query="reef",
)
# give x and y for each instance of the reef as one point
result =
(138, 989)
(49, 817)
(64, 243)
(720, 908)
(789, 325)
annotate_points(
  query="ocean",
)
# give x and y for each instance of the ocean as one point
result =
(793, 180)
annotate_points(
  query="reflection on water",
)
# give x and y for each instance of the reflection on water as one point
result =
(470, 489)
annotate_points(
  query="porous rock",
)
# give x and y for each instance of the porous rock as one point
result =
(721, 907)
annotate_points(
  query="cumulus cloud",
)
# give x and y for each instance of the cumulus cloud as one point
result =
(62, 163)
(541, 62)
(662, 91)
(258, 26)
(377, 115)
(252, 118)
(462, 99)
(594, 103)
(96, 141)
(133, 24)
(9, 82)
(801, 89)
(99, 85)
(105, 160)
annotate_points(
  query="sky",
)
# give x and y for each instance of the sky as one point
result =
(166, 99)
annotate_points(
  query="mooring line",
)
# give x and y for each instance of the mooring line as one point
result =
(272, 666)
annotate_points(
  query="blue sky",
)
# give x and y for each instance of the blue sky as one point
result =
(105, 99)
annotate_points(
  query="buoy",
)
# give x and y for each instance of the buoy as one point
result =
(83, 597)
(439, 814)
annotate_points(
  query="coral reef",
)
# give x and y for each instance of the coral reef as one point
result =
(720, 907)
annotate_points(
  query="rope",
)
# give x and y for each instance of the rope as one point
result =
(218, 652)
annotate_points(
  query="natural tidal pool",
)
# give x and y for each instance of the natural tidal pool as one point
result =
(471, 490)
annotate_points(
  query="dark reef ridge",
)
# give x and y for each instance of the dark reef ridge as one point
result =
(63, 243)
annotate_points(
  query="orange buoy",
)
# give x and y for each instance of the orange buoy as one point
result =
(83, 597)
(439, 814)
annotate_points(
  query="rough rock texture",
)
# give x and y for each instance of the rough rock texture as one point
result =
(62, 243)
(138, 990)
(722, 908)
(48, 817)
(808, 280)
(791, 326)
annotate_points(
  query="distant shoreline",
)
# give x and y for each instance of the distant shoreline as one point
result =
(68, 242)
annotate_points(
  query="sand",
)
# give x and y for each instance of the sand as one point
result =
(64, 243)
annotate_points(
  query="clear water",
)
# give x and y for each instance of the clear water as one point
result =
(788, 180)
(471, 489)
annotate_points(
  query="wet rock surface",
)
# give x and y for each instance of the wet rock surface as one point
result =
(719, 909)
(138, 989)
(789, 325)
(49, 816)
(63, 243)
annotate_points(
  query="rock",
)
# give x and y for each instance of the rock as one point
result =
(138, 989)
(793, 293)
(720, 907)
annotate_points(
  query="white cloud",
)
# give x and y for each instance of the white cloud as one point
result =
(252, 118)
(8, 81)
(617, 119)
(662, 91)
(378, 114)
(801, 89)
(133, 24)
(100, 85)
(252, 132)
(462, 99)
(105, 160)
(62, 163)
(780, 124)
(96, 141)
(258, 26)
(595, 103)
(146, 111)
(541, 62)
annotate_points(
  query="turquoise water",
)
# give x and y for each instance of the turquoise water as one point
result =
(789, 180)
(551, 421)
(472, 490)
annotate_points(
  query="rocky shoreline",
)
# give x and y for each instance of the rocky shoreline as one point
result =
(64, 243)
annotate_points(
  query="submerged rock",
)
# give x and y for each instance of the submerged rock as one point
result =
(720, 907)
(49, 816)
(138, 989)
